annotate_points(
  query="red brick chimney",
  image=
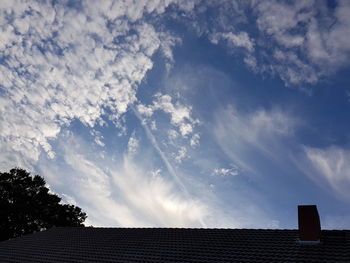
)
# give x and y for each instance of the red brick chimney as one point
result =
(309, 224)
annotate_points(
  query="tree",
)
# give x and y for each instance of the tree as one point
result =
(27, 206)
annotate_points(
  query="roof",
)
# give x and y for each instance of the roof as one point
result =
(174, 245)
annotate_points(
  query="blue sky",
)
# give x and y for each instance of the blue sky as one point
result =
(181, 113)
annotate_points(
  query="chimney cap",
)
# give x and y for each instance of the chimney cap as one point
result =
(309, 224)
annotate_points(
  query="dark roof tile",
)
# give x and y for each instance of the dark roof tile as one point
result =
(174, 245)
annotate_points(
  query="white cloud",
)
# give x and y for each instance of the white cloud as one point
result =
(257, 124)
(251, 63)
(313, 35)
(277, 18)
(330, 47)
(122, 191)
(242, 134)
(320, 49)
(332, 165)
(181, 155)
(161, 153)
(172, 135)
(226, 171)
(60, 64)
(63, 64)
(144, 110)
(194, 142)
(133, 145)
(68, 199)
(280, 25)
(97, 137)
(240, 39)
(153, 125)
(281, 21)
(270, 122)
(11, 157)
(180, 115)
(156, 199)
(155, 173)
(292, 69)
(127, 191)
(179, 133)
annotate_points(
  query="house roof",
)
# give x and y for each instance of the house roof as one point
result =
(174, 245)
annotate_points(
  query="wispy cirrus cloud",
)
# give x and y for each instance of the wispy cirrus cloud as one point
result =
(121, 192)
(329, 167)
(133, 191)
(262, 130)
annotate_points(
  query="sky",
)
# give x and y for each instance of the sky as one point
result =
(181, 113)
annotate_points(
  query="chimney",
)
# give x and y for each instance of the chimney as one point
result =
(309, 224)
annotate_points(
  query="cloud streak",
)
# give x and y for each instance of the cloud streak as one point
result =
(163, 156)
(260, 131)
(330, 167)
(122, 192)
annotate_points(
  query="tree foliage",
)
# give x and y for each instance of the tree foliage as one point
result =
(27, 206)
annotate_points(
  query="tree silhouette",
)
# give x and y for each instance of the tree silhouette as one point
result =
(27, 206)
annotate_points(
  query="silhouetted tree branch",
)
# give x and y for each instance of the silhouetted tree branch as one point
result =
(26, 206)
